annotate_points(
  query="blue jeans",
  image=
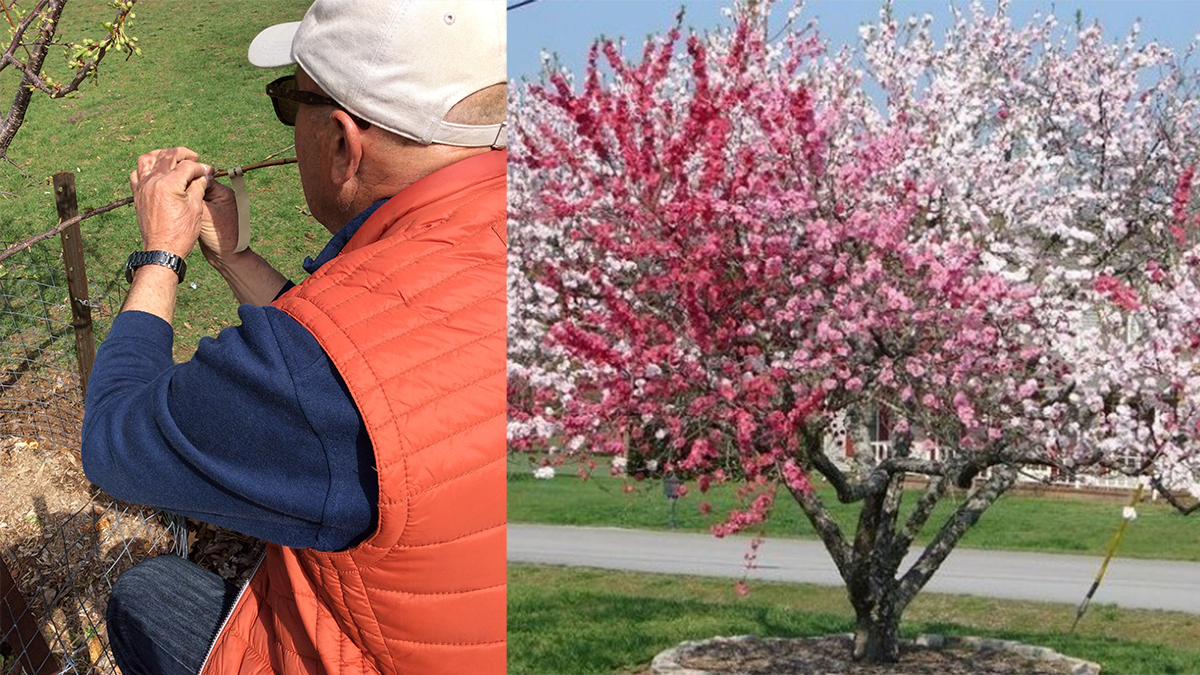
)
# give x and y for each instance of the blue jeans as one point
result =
(164, 615)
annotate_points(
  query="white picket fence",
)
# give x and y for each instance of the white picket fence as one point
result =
(1111, 480)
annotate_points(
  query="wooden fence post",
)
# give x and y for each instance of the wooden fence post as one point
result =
(77, 285)
(19, 631)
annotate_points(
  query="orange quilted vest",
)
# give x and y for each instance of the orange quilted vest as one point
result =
(412, 314)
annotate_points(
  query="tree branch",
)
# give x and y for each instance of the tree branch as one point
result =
(885, 539)
(1174, 501)
(879, 478)
(30, 77)
(964, 518)
(933, 493)
(8, 253)
(20, 28)
(826, 527)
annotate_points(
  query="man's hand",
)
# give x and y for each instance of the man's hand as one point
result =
(251, 278)
(218, 223)
(168, 193)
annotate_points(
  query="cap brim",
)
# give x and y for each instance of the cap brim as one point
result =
(272, 48)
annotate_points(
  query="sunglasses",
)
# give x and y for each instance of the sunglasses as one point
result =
(286, 96)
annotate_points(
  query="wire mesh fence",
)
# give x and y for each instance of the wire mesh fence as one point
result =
(42, 396)
(62, 542)
(65, 581)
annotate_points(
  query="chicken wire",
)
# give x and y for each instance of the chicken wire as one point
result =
(66, 583)
(63, 557)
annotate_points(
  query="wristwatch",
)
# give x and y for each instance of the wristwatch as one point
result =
(139, 258)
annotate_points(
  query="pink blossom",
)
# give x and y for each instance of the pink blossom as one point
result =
(1117, 292)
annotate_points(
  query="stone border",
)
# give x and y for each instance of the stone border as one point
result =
(667, 662)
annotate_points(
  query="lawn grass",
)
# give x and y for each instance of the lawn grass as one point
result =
(1059, 524)
(193, 87)
(575, 620)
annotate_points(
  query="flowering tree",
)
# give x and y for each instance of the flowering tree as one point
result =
(720, 255)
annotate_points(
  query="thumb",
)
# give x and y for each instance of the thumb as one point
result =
(196, 188)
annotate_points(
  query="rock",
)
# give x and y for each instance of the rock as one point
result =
(752, 655)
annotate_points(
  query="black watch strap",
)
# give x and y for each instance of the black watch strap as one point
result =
(139, 258)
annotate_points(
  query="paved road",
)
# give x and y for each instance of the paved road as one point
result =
(1149, 584)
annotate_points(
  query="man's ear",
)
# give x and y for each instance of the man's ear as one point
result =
(345, 147)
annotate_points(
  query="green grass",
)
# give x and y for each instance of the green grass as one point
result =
(1016, 522)
(570, 620)
(193, 87)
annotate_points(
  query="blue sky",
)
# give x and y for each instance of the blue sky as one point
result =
(568, 27)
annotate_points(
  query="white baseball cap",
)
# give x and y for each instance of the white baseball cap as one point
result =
(400, 64)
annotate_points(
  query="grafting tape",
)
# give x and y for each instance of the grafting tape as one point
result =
(238, 183)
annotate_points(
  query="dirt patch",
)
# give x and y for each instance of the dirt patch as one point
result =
(65, 543)
(832, 654)
(63, 540)
(39, 389)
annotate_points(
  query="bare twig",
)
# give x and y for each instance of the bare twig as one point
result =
(9, 160)
(62, 226)
(275, 162)
(280, 152)
(11, 250)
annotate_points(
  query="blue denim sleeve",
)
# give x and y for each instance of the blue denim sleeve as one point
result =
(256, 432)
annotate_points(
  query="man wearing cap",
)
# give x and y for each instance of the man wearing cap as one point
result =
(355, 421)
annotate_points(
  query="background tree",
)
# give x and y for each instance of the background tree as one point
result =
(33, 30)
(719, 256)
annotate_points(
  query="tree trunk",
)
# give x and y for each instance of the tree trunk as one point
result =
(876, 635)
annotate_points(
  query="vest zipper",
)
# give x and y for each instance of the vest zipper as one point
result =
(237, 601)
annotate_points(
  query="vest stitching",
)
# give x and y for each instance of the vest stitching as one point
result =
(409, 509)
(378, 623)
(397, 590)
(429, 226)
(444, 644)
(405, 303)
(502, 523)
(454, 478)
(450, 435)
(467, 385)
(408, 332)
(346, 335)
(249, 648)
(366, 290)
(331, 568)
(388, 422)
(381, 383)
(362, 634)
